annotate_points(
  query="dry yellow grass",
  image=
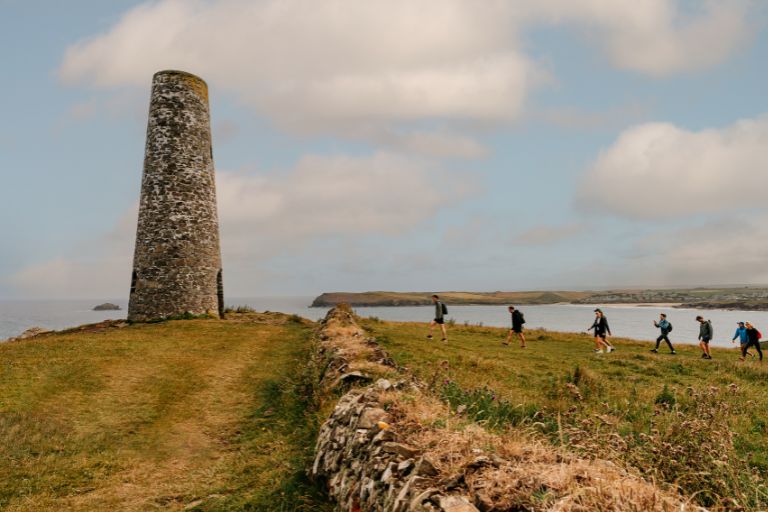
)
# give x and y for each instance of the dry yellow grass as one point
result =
(158, 416)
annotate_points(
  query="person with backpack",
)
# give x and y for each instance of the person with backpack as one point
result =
(741, 334)
(705, 336)
(602, 331)
(517, 326)
(666, 328)
(753, 340)
(440, 311)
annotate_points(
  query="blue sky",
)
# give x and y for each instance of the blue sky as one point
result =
(438, 145)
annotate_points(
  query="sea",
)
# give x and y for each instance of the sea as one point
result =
(627, 321)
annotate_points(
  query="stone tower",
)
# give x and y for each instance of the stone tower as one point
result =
(177, 261)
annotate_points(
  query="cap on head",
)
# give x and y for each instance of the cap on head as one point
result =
(740, 323)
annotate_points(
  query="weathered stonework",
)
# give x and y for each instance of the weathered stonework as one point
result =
(387, 447)
(177, 261)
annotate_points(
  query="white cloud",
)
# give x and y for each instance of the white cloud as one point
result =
(341, 64)
(731, 250)
(327, 196)
(655, 37)
(658, 170)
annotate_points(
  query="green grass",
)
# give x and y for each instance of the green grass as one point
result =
(677, 419)
(216, 414)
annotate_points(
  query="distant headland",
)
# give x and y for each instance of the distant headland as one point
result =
(741, 298)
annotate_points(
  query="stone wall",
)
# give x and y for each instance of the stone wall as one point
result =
(390, 446)
(177, 260)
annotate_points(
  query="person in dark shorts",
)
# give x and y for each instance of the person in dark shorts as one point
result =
(440, 311)
(753, 340)
(705, 336)
(741, 335)
(517, 326)
(666, 328)
(602, 331)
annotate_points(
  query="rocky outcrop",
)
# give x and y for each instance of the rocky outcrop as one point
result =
(389, 445)
(107, 306)
(32, 332)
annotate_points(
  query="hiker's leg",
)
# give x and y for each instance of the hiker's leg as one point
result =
(445, 334)
(759, 350)
(598, 345)
(509, 337)
(669, 344)
(522, 338)
(658, 341)
(431, 326)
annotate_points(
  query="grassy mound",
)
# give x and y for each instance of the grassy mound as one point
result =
(677, 420)
(194, 415)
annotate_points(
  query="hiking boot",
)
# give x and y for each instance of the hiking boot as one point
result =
(703, 356)
(709, 357)
(673, 353)
(610, 349)
(654, 351)
(444, 340)
(505, 343)
(598, 351)
(429, 336)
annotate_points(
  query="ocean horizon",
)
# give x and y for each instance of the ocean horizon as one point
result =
(627, 321)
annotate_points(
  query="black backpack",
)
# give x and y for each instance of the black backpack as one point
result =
(444, 307)
(669, 328)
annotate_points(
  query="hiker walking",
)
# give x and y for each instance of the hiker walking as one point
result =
(753, 340)
(517, 326)
(440, 312)
(741, 335)
(666, 328)
(705, 336)
(602, 331)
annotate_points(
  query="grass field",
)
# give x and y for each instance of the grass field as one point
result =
(203, 414)
(676, 419)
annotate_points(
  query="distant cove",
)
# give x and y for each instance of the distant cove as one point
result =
(734, 298)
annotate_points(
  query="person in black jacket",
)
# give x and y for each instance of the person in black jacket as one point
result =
(706, 333)
(517, 326)
(602, 331)
(753, 340)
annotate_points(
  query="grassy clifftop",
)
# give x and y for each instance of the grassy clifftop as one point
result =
(211, 415)
(193, 415)
(423, 298)
(675, 419)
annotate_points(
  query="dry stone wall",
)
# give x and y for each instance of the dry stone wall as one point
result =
(387, 447)
(177, 260)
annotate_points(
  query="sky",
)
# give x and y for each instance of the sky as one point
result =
(414, 145)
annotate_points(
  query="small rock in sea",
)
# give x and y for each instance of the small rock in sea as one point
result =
(107, 306)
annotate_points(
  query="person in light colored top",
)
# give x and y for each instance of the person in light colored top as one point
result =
(753, 340)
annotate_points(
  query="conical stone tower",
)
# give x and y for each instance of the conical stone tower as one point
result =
(177, 261)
